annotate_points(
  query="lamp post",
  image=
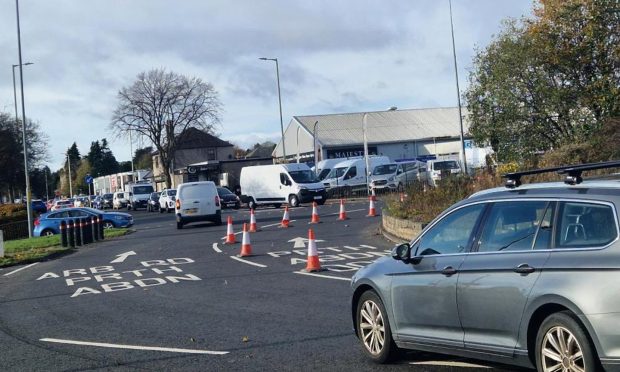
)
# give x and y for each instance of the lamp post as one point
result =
(70, 186)
(279, 101)
(366, 159)
(458, 92)
(21, 83)
(15, 89)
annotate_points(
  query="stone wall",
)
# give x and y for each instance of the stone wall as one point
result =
(402, 229)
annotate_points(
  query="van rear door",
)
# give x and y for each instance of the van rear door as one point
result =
(197, 199)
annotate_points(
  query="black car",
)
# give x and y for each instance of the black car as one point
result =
(39, 206)
(152, 204)
(107, 200)
(228, 199)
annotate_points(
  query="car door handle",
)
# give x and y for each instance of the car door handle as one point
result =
(448, 271)
(524, 269)
(196, 202)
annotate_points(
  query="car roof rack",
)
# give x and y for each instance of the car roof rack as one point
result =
(572, 172)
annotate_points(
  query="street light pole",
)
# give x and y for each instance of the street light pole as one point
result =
(458, 92)
(366, 159)
(70, 186)
(21, 83)
(279, 101)
(15, 90)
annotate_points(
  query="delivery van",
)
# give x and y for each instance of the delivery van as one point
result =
(197, 201)
(393, 176)
(441, 168)
(279, 184)
(352, 173)
(325, 166)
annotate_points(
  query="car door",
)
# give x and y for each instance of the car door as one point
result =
(54, 219)
(497, 277)
(424, 295)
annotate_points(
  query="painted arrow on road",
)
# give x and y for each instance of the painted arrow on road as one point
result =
(122, 257)
(301, 242)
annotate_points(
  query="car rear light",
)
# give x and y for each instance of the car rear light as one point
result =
(217, 201)
(178, 204)
(37, 222)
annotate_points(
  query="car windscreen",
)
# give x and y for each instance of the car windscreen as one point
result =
(384, 169)
(172, 192)
(108, 196)
(120, 196)
(446, 165)
(140, 190)
(303, 176)
(336, 172)
(223, 191)
(323, 173)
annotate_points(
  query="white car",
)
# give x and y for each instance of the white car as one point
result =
(197, 201)
(62, 204)
(166, 200)
(120, 199)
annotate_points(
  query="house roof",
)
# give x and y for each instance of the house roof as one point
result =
(261, 151)
(192, 138)
(386, 126)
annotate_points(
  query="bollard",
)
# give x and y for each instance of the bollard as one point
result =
(87, 230)
(63, 234)
(95, 228)
(71, 233)
(1, 243)
(78, 232)
(101, 229)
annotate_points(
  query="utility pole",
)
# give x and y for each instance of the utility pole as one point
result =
(458, 92)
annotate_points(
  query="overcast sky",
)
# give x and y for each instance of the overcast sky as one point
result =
(335, 56)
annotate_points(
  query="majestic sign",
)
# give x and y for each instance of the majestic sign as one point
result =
(349, 152)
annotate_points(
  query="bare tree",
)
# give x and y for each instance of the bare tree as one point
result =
(160, 105)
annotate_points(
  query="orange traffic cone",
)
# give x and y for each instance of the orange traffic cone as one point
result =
(371, 208)
(246, 246)
(230, 234)
(343, 213)
(315, 213)
(313, 254)
(285, 218)
(253, 227)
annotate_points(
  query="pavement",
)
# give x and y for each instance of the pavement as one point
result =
(168, 299)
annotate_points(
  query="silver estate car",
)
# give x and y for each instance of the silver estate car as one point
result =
(524, 275)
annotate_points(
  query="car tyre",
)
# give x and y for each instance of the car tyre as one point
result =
(251, 203)
(161, 210)
(293, 201)
(179, 224)
(47, 232)
(373, 328)
(107, 225)
(563, 329)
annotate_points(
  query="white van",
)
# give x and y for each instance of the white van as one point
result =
(396, 175)
(197, 201)
(280, 183)
(436, 169)
(120, 199)
(352, 173)
(325, 166)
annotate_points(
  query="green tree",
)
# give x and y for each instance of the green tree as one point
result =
(80, 186)
(143, 159)
(547, 81)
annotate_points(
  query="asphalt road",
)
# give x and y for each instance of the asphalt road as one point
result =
(184, 301)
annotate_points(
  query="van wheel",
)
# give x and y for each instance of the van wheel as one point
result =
(179, 223)
(562, 344)
(293, 201)
(252, 204)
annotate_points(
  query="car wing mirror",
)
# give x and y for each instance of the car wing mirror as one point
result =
(402, 252)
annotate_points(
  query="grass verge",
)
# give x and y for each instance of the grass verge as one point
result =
(24, 251)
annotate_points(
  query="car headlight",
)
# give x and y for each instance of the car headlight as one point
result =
(391, 179)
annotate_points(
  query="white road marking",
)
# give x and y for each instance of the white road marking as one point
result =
(133, 347)
(321, 276)
(247, 262)
(122, 257)
(216, 248)
(20, 269)
(449, 364)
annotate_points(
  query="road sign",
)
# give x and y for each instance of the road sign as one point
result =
(88, 179)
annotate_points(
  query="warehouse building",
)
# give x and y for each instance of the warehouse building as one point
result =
(402, 134)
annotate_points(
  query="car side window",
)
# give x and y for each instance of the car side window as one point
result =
(77, 213)
(511, 226)
(582, 225)
(452, 234)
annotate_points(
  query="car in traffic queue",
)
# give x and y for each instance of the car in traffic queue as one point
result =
(120, 199)
(524, 275)
(166, 200)
(197, 201)
(228, 199)
(49, 223)
(107, 200)
(62, 204)
(152, 204)
(38, 206)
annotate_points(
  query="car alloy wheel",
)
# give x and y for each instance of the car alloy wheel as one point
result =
(561, 351)
(372, 327)
(48, 233)
(108, 225)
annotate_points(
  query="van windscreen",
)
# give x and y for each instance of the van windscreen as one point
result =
(384, 169)
(303, 176)
(446, 165)
(323, 173)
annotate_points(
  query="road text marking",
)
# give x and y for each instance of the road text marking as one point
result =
(247, 262)
(133, 347)
(20, 269)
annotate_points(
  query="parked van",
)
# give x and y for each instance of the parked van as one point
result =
(280, 183)
(325, 166)
(440, 168)
(352, 173)
(120, 199)
(394, 176)
(197, 201)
